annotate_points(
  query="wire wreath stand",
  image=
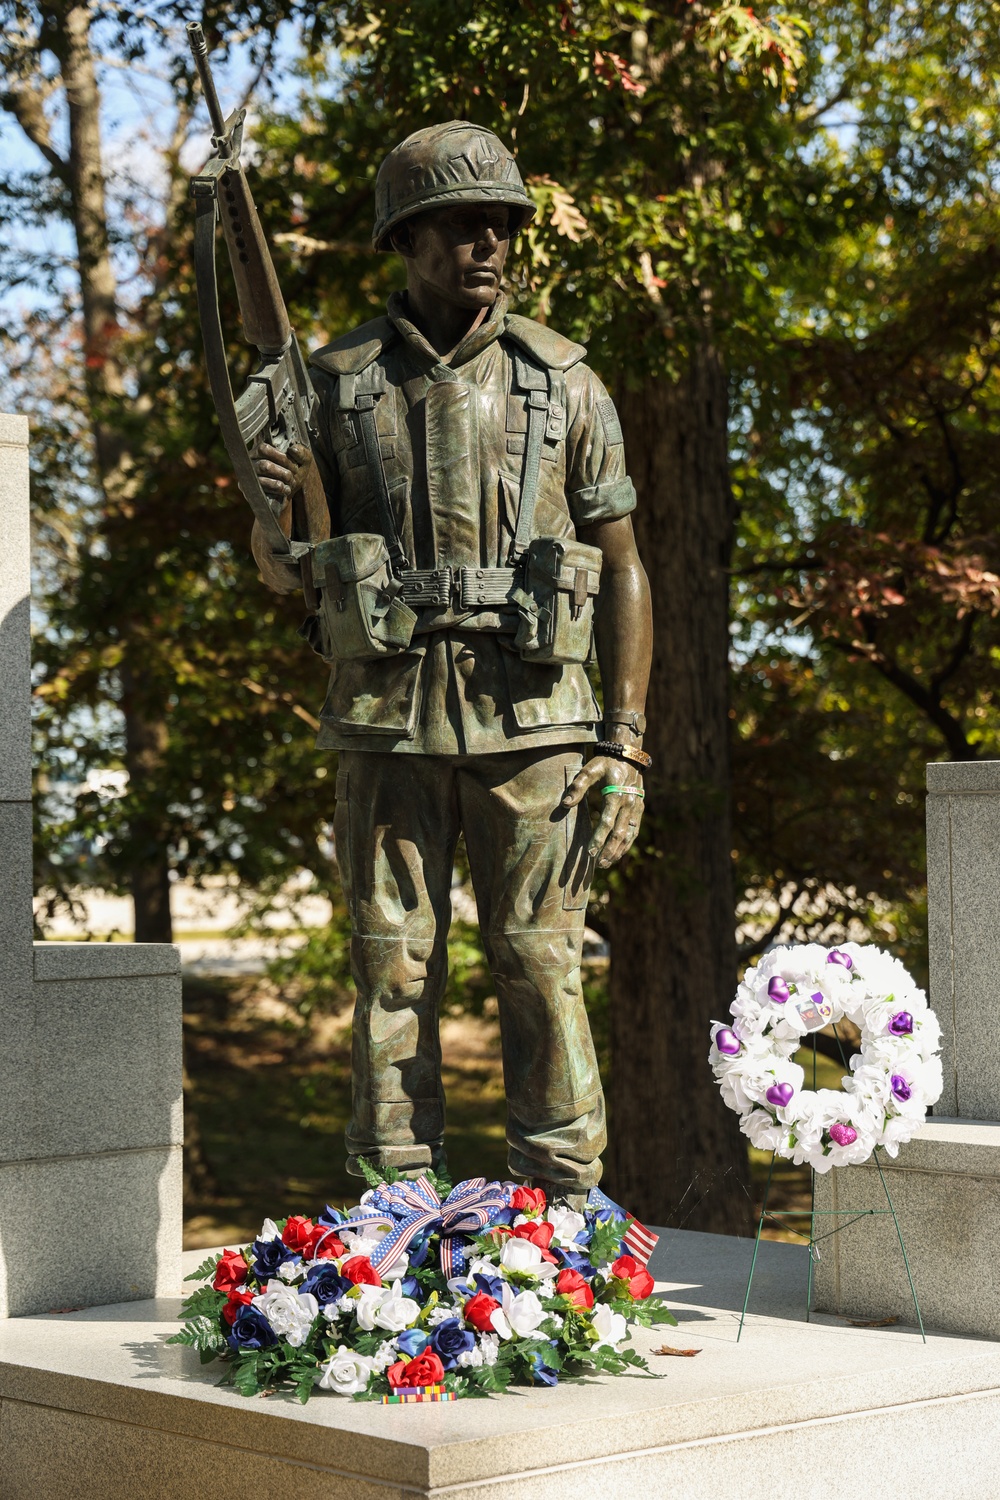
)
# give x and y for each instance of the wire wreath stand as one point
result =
(813, 1213)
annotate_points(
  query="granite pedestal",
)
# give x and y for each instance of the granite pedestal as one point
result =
(95, 1404)
(90, 1067)
(945, 1184)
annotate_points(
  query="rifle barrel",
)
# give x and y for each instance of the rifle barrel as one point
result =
(199, 51)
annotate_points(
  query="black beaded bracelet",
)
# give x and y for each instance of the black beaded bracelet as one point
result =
(625, 752)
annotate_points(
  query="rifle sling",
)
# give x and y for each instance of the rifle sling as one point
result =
(218, 377)
(535, 383)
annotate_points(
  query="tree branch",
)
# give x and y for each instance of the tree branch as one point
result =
(25, 104)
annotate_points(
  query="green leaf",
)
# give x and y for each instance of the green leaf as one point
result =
(206, 1269)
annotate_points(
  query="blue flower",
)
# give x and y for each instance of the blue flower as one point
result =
(541, 1373)
(418, 1250)
(574, 1260)
(410, 1287)
(326, 1284)
(449, 1340)
(268, 1255)
(412, 1342)
(330, 1217)
(491, 1285)
(251, 1330)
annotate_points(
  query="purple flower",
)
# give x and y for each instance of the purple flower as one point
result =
(449, 1340)
(251, 1330)
(268, 1255)
(411, 1342)
(900, 1087)
(901, 1023)
(326, 1284)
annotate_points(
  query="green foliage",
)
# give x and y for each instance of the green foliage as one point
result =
(206, 1269)
(202, 1333)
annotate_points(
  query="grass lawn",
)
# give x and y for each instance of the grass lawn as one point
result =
(271, 1096)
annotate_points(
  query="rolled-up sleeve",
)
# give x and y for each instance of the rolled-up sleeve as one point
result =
(597, 486)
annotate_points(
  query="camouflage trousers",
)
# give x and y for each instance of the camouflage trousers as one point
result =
(397, 824)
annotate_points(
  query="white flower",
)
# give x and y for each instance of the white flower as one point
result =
(522, 1255)
(610, 1326)
(567, 1224)
(292, 1270)
(398, 1268)
(346, 1372)
(470, 1359)
(269, 1231)
(385, 1355)
(332, 1310)
(480, 1266)
(396, 1312)
(363, 1241)
(367, 1305)
(290, 1313)
(521, 1314)
(441, 1313)
(489, 1345)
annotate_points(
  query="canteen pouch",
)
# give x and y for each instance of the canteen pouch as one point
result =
(556, 602)
(361, 614)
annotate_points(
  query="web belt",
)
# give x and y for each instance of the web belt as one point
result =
(466, 588)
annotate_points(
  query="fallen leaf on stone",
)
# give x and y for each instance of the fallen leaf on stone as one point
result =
(668, 1349)
(881, 1323)
(53, 1310)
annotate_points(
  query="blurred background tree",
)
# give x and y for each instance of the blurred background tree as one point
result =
(777, 240)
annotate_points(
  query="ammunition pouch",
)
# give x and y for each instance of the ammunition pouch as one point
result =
(556, 603)
(362, 613)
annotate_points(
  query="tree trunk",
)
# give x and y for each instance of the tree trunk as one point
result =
(145, 749)
(677, 1156)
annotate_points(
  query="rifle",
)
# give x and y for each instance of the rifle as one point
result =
(279, 404)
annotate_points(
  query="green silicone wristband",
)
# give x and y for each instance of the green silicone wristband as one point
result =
(633, 791)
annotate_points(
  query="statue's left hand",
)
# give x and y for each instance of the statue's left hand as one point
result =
(622, 812)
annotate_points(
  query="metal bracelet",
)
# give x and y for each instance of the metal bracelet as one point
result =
(625, 752)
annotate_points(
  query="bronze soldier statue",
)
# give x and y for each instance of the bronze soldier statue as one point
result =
(479, 547)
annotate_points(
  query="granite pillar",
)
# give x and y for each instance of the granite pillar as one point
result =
(945, 1185)
(90, 1068)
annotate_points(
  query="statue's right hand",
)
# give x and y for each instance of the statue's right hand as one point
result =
(281, 474)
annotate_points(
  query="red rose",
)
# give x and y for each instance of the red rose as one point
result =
(230, 1272)
(539, 1234)
(425, 1369)
(237, 1299)
(332, 1248)
(478, 1310)
(641, 1285)
(360, 1270)
(528, 1200)
(297, 1232)
(574, 1286)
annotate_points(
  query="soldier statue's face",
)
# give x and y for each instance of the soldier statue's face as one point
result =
(456, 254)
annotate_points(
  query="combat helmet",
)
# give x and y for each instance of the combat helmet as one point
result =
(444, 164)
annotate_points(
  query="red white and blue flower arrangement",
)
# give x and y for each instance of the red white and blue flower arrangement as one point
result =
(418, 1296)
(893, 1080)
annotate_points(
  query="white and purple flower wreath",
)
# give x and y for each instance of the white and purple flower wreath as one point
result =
(895, 1077)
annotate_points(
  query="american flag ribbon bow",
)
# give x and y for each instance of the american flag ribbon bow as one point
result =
(410, 1206)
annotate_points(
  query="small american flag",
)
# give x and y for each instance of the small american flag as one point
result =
(640, 1241)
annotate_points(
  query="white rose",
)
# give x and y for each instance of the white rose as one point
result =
(290, 1313)
(522, 1255)
(567, 1224)
(346, 1373)
(269, 1231)
(524, 1313)
(609, 1326)
(396, 1312)
(368, 1304)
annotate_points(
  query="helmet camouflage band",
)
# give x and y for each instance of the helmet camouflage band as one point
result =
(441, 165)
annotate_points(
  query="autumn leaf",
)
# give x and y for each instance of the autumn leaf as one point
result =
(669, 1349)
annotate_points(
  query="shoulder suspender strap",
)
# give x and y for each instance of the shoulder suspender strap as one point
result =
(369, 385)
(535, 383)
